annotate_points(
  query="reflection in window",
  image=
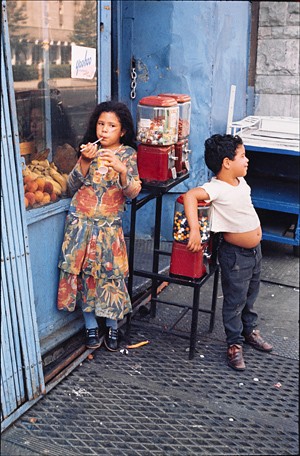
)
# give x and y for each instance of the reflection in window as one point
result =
(60, 7)
(52, 108)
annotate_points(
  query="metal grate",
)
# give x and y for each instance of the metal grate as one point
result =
(154, 401)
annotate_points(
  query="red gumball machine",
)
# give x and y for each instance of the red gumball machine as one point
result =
(185, 263)
(157, 132)
(182, 150)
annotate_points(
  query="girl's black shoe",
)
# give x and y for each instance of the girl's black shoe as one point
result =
(92, 338)
(111, 339)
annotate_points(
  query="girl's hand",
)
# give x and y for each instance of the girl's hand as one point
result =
(88, 152)
(113, 161)
(194, 244)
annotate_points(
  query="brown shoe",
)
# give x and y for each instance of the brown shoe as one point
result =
(255, 339)
(235, 357)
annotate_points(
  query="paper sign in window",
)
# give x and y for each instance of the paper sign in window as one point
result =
(83, 62)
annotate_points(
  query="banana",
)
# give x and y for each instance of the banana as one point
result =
(56, 187)
(38, 168)
(26, 172)
(29, 172)
(59, 178)
(43, 163)
(42, 168)
(53, 166)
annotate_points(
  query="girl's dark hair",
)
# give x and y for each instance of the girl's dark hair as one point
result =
(218, 147)
(124, 116)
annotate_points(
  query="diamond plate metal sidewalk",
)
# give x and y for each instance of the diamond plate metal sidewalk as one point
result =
(155, 401)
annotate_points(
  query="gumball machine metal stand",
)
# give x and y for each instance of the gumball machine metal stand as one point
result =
(157, 278)
(163, 126)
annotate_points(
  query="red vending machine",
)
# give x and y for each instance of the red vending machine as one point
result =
(157, 132)
(182, 150)
(185, 263)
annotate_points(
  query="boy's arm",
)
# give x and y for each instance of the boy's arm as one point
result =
(190, 200)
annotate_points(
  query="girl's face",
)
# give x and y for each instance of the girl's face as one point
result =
(109, 129)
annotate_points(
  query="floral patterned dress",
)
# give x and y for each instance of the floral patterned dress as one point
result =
(93, 259)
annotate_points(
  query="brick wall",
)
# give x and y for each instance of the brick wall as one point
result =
(277, 70)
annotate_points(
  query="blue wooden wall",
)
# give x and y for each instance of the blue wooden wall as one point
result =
(195, 47)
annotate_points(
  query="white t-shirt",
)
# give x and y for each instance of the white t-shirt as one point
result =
(232, 210)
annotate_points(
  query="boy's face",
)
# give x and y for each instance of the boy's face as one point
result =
(239, 166)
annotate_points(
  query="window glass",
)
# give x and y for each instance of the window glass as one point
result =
(52, 108)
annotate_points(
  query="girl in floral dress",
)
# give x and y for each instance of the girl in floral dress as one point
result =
(93, 263)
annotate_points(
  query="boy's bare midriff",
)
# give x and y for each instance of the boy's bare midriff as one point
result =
(248, 240)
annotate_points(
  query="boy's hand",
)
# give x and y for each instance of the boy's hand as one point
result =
(190, 200)
(194, 244)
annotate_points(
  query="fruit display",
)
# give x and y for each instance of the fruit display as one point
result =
(43, 183)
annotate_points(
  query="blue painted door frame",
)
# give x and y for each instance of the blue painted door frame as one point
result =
(31, 325)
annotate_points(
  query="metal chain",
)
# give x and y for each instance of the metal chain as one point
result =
(133, 77)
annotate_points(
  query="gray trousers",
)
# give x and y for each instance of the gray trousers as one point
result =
(240, 278)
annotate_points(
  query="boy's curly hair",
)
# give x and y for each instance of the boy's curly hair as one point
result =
(218, 147)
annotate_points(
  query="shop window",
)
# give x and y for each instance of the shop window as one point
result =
(52, 108)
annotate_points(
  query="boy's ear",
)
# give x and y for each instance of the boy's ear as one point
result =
(226, 163)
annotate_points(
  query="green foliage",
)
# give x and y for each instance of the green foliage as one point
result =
(60, 71)
(16, 19)
(24, 72)
(30, 72)
(85, 26)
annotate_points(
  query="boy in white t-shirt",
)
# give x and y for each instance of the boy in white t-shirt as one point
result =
(239, 252)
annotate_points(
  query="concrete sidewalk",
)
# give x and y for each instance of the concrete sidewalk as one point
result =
(155, 401)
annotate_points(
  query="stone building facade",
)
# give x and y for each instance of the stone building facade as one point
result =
(277, 69)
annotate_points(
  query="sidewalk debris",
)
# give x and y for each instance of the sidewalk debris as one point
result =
(138, 345)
